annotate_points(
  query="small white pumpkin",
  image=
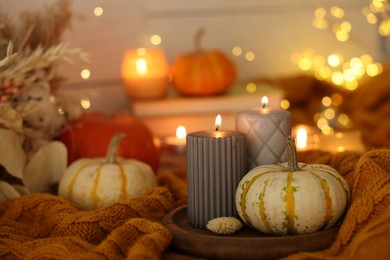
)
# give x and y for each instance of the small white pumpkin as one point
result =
(98, 182)
(292, 197)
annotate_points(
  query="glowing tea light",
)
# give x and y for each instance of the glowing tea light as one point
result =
(301, 138)
(178, 142)
(145, 73)
(181, 133)
(306, 137)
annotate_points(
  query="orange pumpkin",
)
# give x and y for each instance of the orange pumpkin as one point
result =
(202, 73)
(89, 136)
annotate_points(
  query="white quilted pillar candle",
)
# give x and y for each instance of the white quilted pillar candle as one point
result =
(266, 130)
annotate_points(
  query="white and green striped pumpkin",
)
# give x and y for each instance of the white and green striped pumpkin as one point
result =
(93, 183)
(292, 197)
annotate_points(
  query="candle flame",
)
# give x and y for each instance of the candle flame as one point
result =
(264, 101)
(218, 122)
(181, 132)
(301, 138)
(141, 66)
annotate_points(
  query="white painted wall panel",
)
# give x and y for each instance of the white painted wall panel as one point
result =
(273, 30)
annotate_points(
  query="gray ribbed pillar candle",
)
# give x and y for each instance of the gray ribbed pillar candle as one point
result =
(216, 163)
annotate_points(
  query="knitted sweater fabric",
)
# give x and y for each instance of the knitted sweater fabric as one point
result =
(45, 226)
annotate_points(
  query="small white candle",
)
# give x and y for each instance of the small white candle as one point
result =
(306, 137)
(266, 130)
(145, 73)
(301, 138)
(178, 141)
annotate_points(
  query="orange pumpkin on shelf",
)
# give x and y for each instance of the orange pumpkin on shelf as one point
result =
(203, 72)
(89, 136)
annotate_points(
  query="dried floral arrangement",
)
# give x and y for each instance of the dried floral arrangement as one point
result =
(33, 109)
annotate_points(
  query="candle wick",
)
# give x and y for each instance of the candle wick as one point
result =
(263, 105)
(216, 128)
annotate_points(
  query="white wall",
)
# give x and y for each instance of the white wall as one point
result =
(273, 30)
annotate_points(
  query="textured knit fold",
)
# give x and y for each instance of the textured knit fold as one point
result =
(40, 226)
(44, 226)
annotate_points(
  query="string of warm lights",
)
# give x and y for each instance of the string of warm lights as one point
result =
(85, 72)
(335, 68)
(377, 12)
(330, 118)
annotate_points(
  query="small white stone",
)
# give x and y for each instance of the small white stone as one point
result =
(224, 225)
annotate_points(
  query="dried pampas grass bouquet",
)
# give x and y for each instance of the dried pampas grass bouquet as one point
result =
(30, 54)
(33, 109)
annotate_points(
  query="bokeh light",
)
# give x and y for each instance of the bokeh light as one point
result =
(251, 87)
(155, 39)
(237, 51)
(98, 11)
(85, 74)
(250, 56)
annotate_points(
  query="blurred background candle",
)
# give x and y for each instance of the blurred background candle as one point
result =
(177, 142)
(265, 130)
(145, 73)
(306, 137)
(216, 163)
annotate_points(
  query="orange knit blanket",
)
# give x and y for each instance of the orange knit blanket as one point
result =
(41, 226)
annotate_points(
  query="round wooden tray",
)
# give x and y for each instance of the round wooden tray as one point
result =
(246, 243)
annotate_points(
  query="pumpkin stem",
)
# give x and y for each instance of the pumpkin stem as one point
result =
(292, 163)
(198, 36)
(112, 152)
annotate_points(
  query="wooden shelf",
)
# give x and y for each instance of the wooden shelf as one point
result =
(198, 113)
